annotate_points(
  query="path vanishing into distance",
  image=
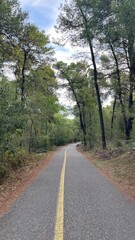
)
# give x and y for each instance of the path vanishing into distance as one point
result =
(70, 200)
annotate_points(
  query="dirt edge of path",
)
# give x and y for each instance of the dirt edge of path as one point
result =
(123, 186)
(13, 189)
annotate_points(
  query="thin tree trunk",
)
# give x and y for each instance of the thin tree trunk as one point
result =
(84, 123)
(34, 128)
(82, 119)
(98, 97)
(102, 127)
(30, 137)
(131, 55)
(120, 91)
(113, 114)
(130, 108)
(23, 79)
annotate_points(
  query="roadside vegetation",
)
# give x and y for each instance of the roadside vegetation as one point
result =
(31, 118)
(117, 164)
(105, 32)
(105, 67)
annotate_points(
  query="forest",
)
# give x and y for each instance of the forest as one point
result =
(106, 29)
(31, 117)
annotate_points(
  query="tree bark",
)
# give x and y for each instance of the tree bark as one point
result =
(98, 97)
(82, 118)
(113, 113)
(131, 54)
(126, 128)
(23, 78)
(102, 127)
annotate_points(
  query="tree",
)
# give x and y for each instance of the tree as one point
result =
(77, 19)
(12, 21)
(118, 36)
(30, 52)
(41, 105)
(65, 130)
(80, 87)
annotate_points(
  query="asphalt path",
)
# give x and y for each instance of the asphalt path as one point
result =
(70, 200)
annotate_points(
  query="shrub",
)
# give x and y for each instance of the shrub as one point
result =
(3, 171)
(16, 159)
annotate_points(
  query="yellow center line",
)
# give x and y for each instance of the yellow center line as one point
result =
(59, 225)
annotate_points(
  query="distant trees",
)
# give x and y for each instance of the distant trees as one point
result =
(80, 86)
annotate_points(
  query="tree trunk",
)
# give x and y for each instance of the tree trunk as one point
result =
(130, 106)
(30, 137)
(102, 127)
(112, 120)
(82, 118)
(129, 128)
(34, 128)
(123, 110)
(23, 78)
(131, 65)
(98, 96)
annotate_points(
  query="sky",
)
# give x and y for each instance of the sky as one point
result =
(44, 13)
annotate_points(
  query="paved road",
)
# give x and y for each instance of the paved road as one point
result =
(74, 197)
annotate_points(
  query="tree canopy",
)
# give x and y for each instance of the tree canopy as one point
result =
(31, 118)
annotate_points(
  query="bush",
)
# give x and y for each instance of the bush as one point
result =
(3, 171)
(16, 159)
(118, 143)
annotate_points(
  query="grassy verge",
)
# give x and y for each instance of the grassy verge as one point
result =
(118, 165)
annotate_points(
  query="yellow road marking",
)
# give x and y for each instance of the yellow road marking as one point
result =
(59, 225)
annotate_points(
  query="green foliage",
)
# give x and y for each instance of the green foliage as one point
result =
(3, 171)
(15, 159)
(108, 26)
(31, 118)
(80, 85)
(11, 160)
(66, 130)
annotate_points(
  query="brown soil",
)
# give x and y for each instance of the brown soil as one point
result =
(116, 165)
(12, 187)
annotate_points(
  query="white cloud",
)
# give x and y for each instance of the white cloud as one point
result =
(51, 4)
(43, 13)
(49, 7)
(67, 53)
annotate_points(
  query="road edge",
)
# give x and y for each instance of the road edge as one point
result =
(7, 202)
